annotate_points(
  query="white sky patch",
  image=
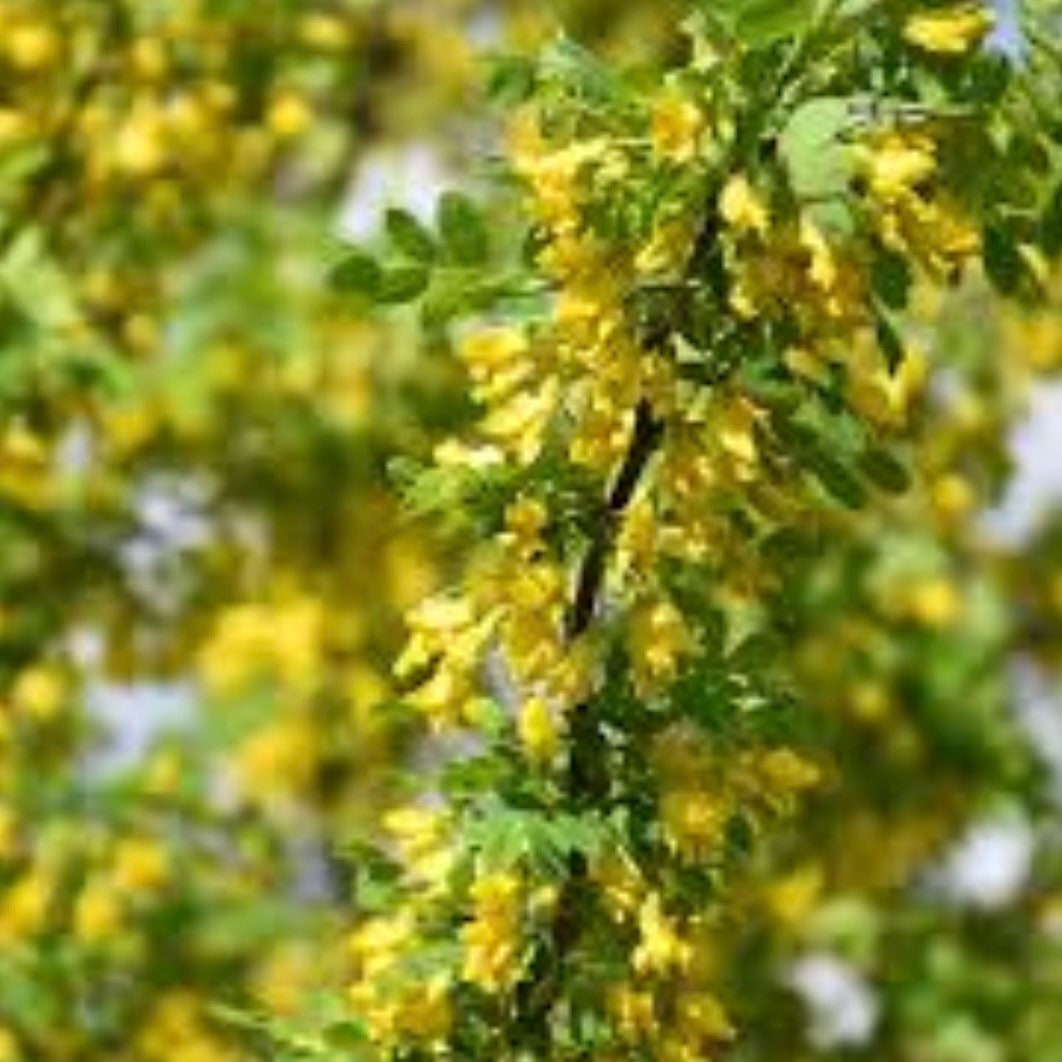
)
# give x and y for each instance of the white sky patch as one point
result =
(1006, 37)
(1036, 487)
(412, 176)
(134, 716)
(1039, 707)
(842, 1006)
(990, 866)
(172, 520)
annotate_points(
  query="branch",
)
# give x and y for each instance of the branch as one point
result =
(585, 780)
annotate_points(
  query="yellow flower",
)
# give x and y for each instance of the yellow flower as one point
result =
(538, 730)
(140, 865)
(9, 1048)
(736, 430)
(898, 163)
(31, 46)
(936, 603)
(633, 1011)
(953, 498)
(950, 31)
(621, 885)
(424, 1012)
(492, 939)
(327, 33)
(693, 821)
(289, 115)
(378, 943)
(792, 898)
(420, 834)
(661, 948)
(785, 771)
(98, 913)
(668, 248)
(525, 520)
(677, 125)
(39, 692)
(658, 638)
(25, 906)
(742, 208)
(702, 1017)
(141, 145)
(14, 126)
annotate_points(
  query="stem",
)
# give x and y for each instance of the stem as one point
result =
(643, 443)
(586, 782)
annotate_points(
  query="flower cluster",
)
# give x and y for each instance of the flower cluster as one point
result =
(718, 365)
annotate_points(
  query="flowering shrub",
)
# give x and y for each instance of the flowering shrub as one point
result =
(201, 562)
(670, 434)
(726, 610)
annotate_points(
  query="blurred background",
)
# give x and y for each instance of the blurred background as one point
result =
(204, 558)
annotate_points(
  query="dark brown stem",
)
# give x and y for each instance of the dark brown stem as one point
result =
(592, 571)
(586, 781)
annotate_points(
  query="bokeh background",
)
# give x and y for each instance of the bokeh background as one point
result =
(204, 555)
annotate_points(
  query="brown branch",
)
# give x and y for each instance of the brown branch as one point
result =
(586, 782)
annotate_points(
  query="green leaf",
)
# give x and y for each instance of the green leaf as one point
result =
(885, 471)
(577, 69)
(813, 148)
(357, 274)
(891, 278)
(759, 22)
(410, 237)
(1051, 225)
(1003, 262)
(463, 230)
(402, 283)
(838, 481)
(511, 81)
(889, 341)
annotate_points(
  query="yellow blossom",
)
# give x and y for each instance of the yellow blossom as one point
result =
(378, 943)
(791, 899)
(9, 1046)
(525, 520)
(677, 125)
(538, 730)
(936, 602)
(702, 1017)
(658, 639)
(621, 885)
(25, 906)
(633, 1011)
(289, 115)
(953, 30)
(31, 45)
(741, 207)
(693, 821)
(421, 836)
(786, 771)
(98, 913)
(898, 164)
(140, 865)
(492, 938)
(39, 692)
(424, 1011)
(661, 948)
(953, 498)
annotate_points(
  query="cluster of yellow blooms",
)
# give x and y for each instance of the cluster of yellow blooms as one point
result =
(699, 463)
(147, 148)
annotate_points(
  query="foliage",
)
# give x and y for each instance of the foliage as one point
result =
(668, 431)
